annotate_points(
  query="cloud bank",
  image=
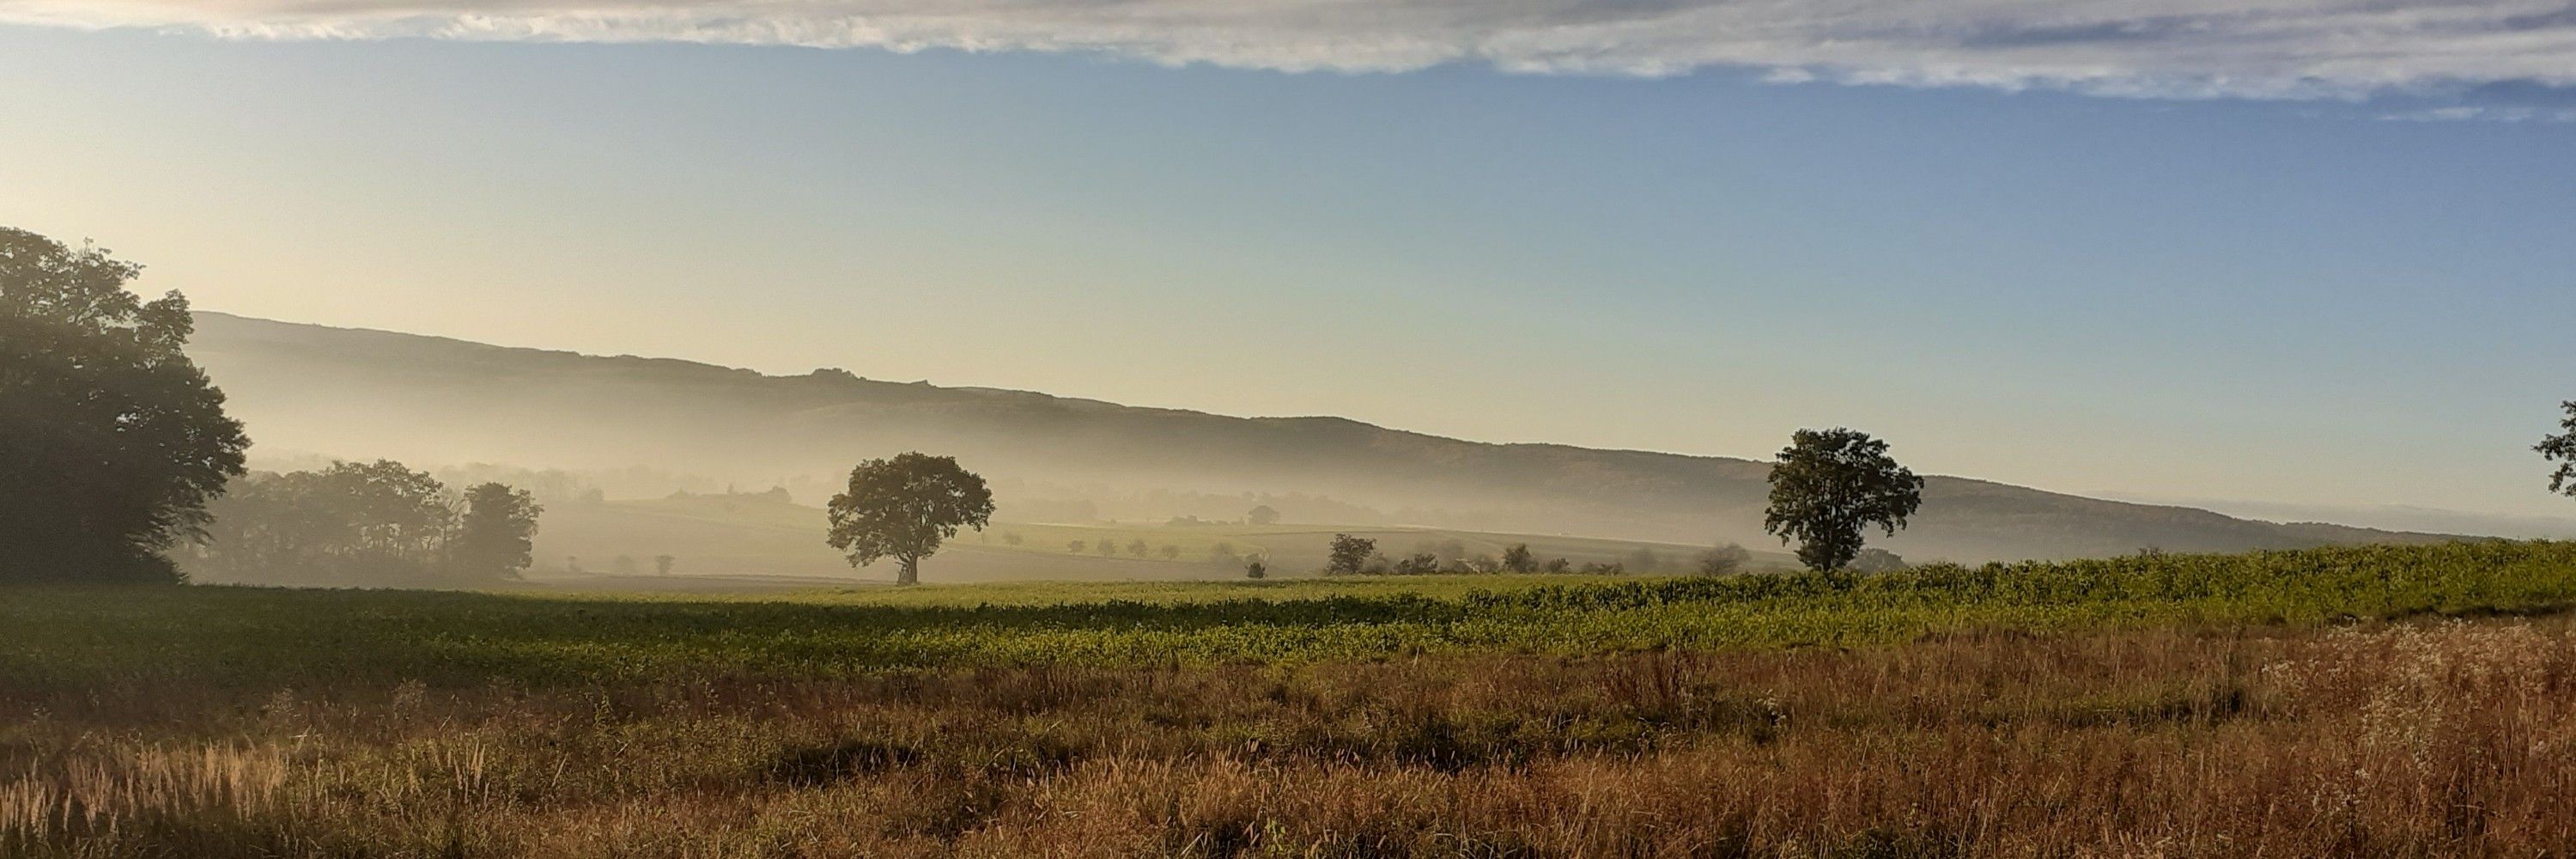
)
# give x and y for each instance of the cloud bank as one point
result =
(2157, 48)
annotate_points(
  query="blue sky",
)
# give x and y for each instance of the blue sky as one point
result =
(2349, 296)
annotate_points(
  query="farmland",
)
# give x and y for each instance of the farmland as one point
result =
(726, 537)
(2365, 701)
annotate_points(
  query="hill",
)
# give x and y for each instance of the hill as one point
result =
(430, 400)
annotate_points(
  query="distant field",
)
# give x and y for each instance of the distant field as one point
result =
(284, 637)
(2305, 703)
(750, 535)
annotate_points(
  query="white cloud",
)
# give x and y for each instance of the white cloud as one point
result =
(2160, 48)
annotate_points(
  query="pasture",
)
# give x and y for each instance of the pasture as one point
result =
(2367, 701)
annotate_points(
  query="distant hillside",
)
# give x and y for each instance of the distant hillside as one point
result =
(429, 400)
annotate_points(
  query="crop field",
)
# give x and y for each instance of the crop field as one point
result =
(2414, 700)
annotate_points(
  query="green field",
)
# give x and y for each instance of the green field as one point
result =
(249, 636)
(713, 538)
(2416, 700)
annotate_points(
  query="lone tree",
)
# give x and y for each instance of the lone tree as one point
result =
(1517, 559)
(111, 440)
(1829, 486)
(2561, 449)
(498, 531)
(903, 508)
(1349, 554)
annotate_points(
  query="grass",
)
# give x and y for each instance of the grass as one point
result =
(2284, 703)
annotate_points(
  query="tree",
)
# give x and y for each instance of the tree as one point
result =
(2561, 449)
(1254, 568)
(903, 508)
(1138, 548)
(356, 523)
(1262, 515)
(1011, 538)
(1418, 564)
(1517, 559)
(1223, 553)
(1644, 560)
(1349, 554)
(1171, 553)
(495, 537)
(662, 564)
(1725, 560)
(1830, 485)
(111, 440)
(1108, 547)
(1875, 560)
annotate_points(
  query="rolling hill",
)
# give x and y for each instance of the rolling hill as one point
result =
(429, 401)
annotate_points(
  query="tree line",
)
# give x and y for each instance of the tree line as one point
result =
(115, 448)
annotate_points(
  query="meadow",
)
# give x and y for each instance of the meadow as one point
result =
(2361, 702)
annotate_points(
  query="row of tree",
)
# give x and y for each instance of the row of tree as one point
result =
(368, 523)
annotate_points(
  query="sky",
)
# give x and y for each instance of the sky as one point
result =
(2295, 253)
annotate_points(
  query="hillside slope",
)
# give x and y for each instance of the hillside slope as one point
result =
(430, 400)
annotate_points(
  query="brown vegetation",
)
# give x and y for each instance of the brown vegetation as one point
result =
(2445, 738)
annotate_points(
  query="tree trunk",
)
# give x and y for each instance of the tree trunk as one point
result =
(911, 573)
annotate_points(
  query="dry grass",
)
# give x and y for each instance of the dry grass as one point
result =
(2446, 738)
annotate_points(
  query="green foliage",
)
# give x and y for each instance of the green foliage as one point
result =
(1830, 485)
(1349, 554)
(2561, 448)
(1517, 559)
(904, 507)
(373, 523)
(498, 531)
(111, 440)
(273, 639)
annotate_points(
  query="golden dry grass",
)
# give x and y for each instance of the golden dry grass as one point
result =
(2434, 738)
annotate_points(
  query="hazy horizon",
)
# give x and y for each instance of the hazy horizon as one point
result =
(2158, 252)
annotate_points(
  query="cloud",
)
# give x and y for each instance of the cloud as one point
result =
(2153, 48)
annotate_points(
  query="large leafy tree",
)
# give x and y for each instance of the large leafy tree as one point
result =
(2561, 449)
(111, 440)
(496, 537)
(903, 508)
(1831, 485)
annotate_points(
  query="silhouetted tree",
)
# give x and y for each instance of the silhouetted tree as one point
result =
(1138, 548)
(1557, 565)
(1725, 560)
(1262, 515)
(352, 523)
(1171, 553)
(1074, 546)
(903, 508)
(2561, 449)
(1829, 485)
(662, 564)
(1349, 554)
(1108, 547)
(1254, 568)
(111, 440)
(497, 533)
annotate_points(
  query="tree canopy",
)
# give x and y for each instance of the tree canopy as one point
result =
(1829, 486)
(111, 440)
(2561, 449)
(904, 507)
